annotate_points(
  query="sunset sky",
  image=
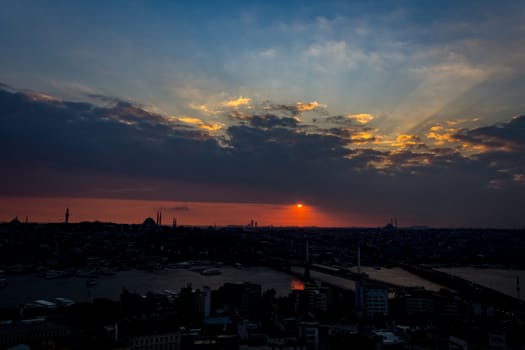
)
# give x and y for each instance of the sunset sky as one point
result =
(221, 112)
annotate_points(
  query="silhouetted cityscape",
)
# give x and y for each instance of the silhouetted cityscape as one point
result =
(258, 287)
(262, 175)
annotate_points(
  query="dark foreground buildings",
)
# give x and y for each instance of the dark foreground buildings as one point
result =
(372, 315)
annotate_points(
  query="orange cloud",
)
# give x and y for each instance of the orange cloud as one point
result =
(203, 109)
(241, 101)
(441, 135)
(382, 164)
(362, 137)
(362, 118)
(406, 140)
(235, 114)
(461, 121)
(198, 123)
(305, 107)
(481, 148)
(475, 147)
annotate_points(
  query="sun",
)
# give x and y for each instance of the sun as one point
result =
(299, 205)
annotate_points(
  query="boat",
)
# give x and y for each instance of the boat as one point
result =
(182, 265)
(3, 282)
(63, 301)
(46, 304)
(210, 272)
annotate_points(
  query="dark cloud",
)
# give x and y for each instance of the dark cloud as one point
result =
(294, 109)
(508, 136)
(271, 121)
(501, 150)
(122, 139)
(106, 99)
(338, 120)
(50, 147)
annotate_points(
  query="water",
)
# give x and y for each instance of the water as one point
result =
(27, 288)
(399, 277)
(339, 282)
(394, 275)
(502, 280)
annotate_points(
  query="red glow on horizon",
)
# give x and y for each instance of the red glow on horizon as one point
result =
(44, 210)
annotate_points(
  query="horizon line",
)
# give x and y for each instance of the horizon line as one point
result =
(244, 226)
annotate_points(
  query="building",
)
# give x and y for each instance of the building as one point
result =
(318, 297)
(202, 300)
(371, 298)
(419, 302)
(165, 341)
(243, 296)
(36, 330)
(309, 333)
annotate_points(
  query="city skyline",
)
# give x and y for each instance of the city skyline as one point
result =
(361, 111)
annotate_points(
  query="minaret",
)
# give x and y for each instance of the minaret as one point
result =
(159, 221)
(359, 259)
(307, 262)
(174, 223)
(67, 216)
(307, 252)
(518, 290)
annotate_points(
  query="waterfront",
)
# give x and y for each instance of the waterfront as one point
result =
(335, 281)
(394, 275)
(502, 280)
(399, 277)
(27, 288)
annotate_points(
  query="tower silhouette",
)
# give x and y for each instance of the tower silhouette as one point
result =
(518, 290)
(158, 223)
(307, 262)
(67, 216)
